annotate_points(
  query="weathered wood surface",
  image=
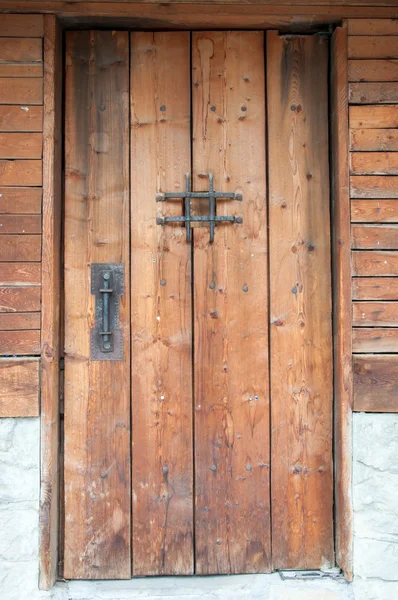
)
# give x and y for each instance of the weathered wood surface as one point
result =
(374, 163)
(21, 91)
(21, 50)
(16, 248)
(365, 140)
(19, 299)
(16, 321)
(373, 117)
(17, 200)
(373, 186)
(374, 211)
(19, 387)
(374, 314)
(373, 47)
(373, 340)
(21, 118)
(162, 468)
(374, 263)
(20, 224)
(375, 288)
(14, 343)
(372, 27)
(20, 145)
(232, 456)
(373, 70)
(300, 302)
(373, 93)
(21, 26)
(376, 383)
(97, 394)
(21, 172)
(377, 237)
(17, 273)
(16, 70)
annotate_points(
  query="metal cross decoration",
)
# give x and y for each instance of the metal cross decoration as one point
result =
(211, 218)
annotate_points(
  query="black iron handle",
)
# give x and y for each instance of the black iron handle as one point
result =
(106, 292)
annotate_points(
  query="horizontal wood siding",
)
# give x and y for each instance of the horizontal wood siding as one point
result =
(373, 121)
(21, 143)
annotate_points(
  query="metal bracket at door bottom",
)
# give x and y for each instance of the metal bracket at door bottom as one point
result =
(107, 285)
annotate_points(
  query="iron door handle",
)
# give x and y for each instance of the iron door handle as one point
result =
(106, 292)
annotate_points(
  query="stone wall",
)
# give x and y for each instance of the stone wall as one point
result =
(376, 531)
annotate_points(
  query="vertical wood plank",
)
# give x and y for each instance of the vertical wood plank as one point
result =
(341, 302)
(232, 460)
(162, 475)
(300, 302)
(97, 393)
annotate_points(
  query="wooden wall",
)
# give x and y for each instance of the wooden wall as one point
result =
(373, 122)
(21, 142)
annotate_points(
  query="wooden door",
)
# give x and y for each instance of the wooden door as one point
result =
(172, 475)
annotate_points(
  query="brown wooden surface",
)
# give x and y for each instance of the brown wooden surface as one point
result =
(373, 47)
(376, 383)
(162, 474)
(371, 117)
(371, 263)
(373, 93)
(21, 70)
(300, 303)
(373, 139)
(21, 172)
(232, 461)
(374, 339)
(369, 211)
(341, 303)
(20, 273)
(373, 186)
(17, 200)
(16, 248)
(17, 321)
(20, 145)
(374, 314)
(21, 25)
(21, 118)
(374, 163)
(373, 70)
(20, 224)
(19, 387)
(372, 27)
(97, 393)
(50, 325)
(375, 288)
(22, 342)
(21, 91)
(21, 49)
(377, 237)
(19, 299)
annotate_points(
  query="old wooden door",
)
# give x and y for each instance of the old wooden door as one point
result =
(205, 415)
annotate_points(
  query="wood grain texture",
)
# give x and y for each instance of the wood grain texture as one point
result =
(300, 302)
(373, 117)
(21, 118)
(232, 457)
(341, 303)
(376, 383)
(375, 288)
(19, 299)
(20, 200)
(373, 340)
(21, 49)
(18, 321)
(375, 314)
(374, 163)
(20, 145)
(21, 172)
(17, 273)
(373, 186)
(373, 46)
(19, 343)
(22, 25)
(162, 474)
(97, 427)
(21, 91)
(374, 211)
(20, 224)
(16, 248)
(51, 292)
(372, 263)
(376, 237)
(373, 93)
(373, 70)
(21, 70)
(365, 140)
(19, 387)
(372, 27)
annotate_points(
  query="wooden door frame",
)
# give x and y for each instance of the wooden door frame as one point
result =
(51, 270)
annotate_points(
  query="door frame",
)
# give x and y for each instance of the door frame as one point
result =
(51, 264)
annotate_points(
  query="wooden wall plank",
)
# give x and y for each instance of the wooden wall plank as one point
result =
(27, 91)
(373, 340)
(20, 224)
(376, 383)
(375, 288)
(371, 263)
(373, 211)
(373, 93)
(377, 237)
(21, 118)
(373, 47)
(300, 302)
(21, 172)
(51, 293)
(19, 387)
(374, 163)
(19, 200)
(19, 343)
(97, 428)
(374, 314)
(372, 27)
(21, 25)
(342, 362)
(373, 70)
(365, 140)
(21, 70)
(20, 273)
(232, 445)
(17, 248)
(373, 186)
(373, 117)
(19, 299)
(20, 145)
(17, 321)
(21, 50)
(161, 308)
